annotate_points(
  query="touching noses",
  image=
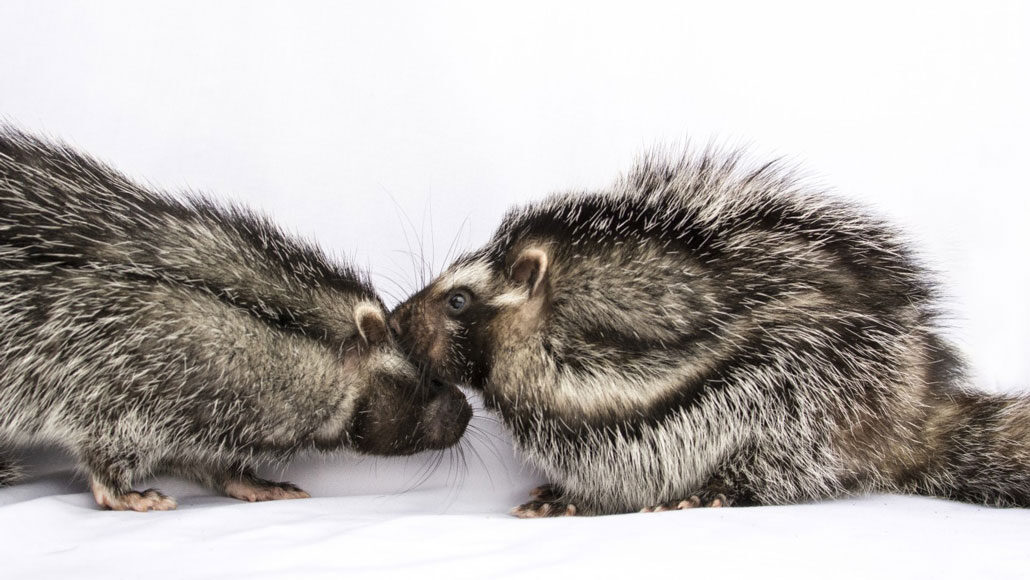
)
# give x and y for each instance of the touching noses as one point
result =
(395, 326)
(400, 325)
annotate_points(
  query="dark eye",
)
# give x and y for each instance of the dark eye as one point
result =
(458, 301)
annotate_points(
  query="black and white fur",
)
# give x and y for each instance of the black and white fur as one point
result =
(705, 332)
(146, 333)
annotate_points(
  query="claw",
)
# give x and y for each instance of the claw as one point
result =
(693, 501)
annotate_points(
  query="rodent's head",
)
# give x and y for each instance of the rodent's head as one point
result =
(400, 410)
(455, 323)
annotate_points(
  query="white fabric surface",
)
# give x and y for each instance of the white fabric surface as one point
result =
(393, 127)
(366, 521)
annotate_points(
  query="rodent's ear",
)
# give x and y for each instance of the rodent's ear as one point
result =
(530, 269)
(371, 324)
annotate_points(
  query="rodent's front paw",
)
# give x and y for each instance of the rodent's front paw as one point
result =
(139, 501)
(544, 509)
(547, 502)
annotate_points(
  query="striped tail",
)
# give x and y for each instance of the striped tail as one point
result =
(982, 450)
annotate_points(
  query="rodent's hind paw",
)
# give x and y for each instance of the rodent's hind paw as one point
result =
(138, 501)
(714, 500)
(543, 509)
(255, 489)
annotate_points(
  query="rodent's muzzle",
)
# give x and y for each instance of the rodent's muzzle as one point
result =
(447, 413)
(446, 416)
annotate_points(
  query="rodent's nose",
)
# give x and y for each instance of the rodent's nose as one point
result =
(446, 418)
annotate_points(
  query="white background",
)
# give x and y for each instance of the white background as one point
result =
(383, 129)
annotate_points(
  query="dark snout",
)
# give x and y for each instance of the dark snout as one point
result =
(446, 417)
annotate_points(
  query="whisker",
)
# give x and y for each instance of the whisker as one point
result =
(465, 223)
(407, 240)
(484, 438)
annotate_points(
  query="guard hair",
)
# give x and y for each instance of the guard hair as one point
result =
(147, 332)
(708, 331)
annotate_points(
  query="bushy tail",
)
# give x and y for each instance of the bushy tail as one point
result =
(980, 452)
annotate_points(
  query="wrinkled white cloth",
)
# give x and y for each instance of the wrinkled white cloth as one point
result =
(388, 518)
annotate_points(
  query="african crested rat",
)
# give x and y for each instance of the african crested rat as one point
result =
(149, 334)
(708, 333)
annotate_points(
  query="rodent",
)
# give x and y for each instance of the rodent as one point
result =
(710, 332)
(149, 333)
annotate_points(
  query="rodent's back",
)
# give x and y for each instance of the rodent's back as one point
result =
(62, 209)
(126, 306)
(681, 256)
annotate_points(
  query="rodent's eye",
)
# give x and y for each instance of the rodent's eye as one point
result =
(458, 301)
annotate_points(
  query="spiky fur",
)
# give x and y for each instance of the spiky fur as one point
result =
(147, 333)
(709, 329)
